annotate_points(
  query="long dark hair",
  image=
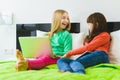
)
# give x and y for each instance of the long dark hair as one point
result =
(99, 25)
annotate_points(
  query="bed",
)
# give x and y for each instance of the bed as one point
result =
(98, 72)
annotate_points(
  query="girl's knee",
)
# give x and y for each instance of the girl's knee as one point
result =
(77, 67)
(76, 64)
(60, 60)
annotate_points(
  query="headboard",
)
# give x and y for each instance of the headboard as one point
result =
(30, 30)
(113, 26)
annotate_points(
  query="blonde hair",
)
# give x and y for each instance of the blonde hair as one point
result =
(56, 22)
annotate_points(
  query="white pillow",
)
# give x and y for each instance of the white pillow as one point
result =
(40, 33)
(78, 40)
(115, 47)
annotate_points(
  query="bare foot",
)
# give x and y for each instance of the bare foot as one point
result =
(61, 71)
(19, 55)
(21, 64)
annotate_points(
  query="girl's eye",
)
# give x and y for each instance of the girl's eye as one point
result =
(67, 18)
(63, 17)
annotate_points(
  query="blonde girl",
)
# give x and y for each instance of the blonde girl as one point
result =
(61, 42)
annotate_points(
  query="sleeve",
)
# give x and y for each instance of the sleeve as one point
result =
(67, 43)
(93, 45)
(66, 39)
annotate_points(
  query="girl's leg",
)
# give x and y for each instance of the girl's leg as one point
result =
(77, 67)
(38, 63)
(93, 58)
(89, 59)
(63, 64)
(41, 62)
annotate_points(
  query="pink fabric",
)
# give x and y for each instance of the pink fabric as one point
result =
(41, 62)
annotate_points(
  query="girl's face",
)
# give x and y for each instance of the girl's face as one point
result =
(64, 20)
(90, 26)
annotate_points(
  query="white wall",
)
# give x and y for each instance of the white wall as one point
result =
(40, 11)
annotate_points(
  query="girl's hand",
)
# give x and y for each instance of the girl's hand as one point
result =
(55, 56)
(64, 56)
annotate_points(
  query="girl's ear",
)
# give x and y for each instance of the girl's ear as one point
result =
(97, 24)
